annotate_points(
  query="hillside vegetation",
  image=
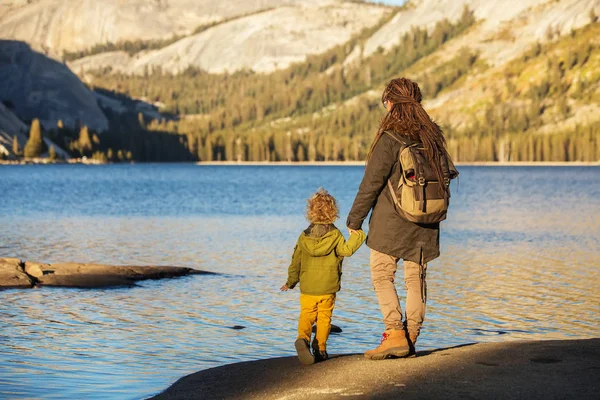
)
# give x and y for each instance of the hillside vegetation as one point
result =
(498, 94)
(540, 106)
(290, 114)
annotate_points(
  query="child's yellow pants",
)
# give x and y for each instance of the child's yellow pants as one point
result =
(319, 309)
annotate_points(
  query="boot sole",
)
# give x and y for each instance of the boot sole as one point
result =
(395, 352)
(304, 352)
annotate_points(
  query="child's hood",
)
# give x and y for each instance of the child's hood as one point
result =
(319, 240)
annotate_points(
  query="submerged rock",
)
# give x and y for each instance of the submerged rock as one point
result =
(237, 327)
(334, 329)
(14, 273)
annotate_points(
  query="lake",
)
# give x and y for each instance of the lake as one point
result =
(520, 260)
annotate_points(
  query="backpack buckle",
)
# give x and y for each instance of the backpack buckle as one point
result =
(421, 181)
(446, 181)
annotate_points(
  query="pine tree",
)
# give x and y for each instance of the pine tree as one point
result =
(141, 120)
(356, 150)
(312, 149)
(593, 16)
(208, 146)
(99, 156)
(239, 150)
(84, 142)
(52, 154)
(192, 145)
(33, 147)
(229, 151)
(301, 153)
(15, 146)
(288, 147)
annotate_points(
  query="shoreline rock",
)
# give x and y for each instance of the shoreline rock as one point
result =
(12, 274)
(15, 273)
(553, 369)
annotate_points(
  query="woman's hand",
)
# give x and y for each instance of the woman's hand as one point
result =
(284, 288)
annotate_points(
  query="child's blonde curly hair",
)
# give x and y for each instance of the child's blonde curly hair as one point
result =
(322, 208)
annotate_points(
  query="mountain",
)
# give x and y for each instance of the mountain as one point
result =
(261, 35)
(262, 42)
(55, 26)
(523, 21)
(277, 37)
(35, 86)
(301, 80)
(39, 87)
(506, 30)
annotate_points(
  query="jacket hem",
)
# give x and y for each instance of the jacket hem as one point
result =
(401, 255)
(318, 294)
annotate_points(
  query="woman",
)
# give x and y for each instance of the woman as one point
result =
(391, 237)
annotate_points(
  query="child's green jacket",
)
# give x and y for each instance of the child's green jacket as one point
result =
(318, 256)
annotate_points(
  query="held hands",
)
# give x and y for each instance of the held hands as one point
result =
(351, 231)
(284, 288)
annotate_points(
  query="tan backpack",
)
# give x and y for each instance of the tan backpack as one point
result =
(419, 196)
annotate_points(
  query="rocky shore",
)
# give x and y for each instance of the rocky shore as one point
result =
(45, 161)
(15, 273)
(557, 369)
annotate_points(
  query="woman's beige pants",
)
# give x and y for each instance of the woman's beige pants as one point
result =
(383, 271)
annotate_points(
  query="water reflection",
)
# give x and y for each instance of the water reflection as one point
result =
(515, 264)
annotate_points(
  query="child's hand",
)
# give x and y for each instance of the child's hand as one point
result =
(284, 288)
(351, 231)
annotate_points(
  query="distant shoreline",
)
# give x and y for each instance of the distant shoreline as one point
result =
(315, 163)
(45, 161)
(362, 163)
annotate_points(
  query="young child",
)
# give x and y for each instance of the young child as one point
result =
(317, 265)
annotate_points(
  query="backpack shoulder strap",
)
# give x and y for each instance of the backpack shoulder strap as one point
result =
(403, 140)
(397, 138)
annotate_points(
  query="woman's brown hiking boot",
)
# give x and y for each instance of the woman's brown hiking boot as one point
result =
(412, 342)
(393, 344)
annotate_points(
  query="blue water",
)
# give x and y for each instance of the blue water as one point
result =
(520, 258)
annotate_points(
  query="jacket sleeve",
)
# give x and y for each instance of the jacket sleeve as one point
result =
(346, 248)
(294, 268)
(378, 171)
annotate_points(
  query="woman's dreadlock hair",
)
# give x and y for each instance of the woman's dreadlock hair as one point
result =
(407, 117)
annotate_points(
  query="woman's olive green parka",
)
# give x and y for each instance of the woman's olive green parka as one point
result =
(389, 233)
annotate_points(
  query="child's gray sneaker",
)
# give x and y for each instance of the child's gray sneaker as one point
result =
(304, 352)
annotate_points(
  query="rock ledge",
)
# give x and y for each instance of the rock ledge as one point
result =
(556, 369)
(15, 273)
